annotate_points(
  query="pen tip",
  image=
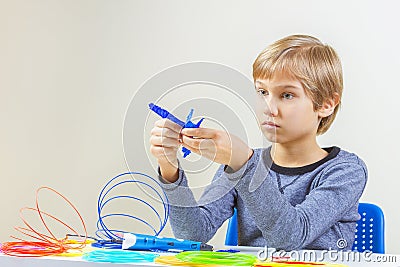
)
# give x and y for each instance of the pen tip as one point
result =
(206, 247)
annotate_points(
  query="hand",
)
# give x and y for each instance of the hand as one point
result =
(218, 146)
(164, 145)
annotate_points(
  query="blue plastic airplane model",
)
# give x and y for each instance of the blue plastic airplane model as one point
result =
(188, 124)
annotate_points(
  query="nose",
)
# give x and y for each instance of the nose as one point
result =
(271, 107)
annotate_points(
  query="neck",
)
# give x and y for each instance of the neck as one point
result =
(287, 155)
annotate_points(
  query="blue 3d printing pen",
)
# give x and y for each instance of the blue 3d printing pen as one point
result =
(148, 242)
(188, 124)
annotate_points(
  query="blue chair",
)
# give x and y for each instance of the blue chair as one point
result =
(231, 238)
(370, 231)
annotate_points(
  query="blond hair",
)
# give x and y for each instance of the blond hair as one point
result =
(316, 65)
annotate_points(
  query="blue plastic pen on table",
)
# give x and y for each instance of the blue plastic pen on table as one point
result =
(148, 242)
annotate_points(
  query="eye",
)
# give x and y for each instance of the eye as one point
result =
(287, 96)
(261, 92)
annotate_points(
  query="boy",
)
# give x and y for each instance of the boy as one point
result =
(291, 195)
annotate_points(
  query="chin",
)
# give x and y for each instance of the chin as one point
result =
(271, 137)
(275, 139)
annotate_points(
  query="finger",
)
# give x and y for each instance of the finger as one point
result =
(164, 132)
(165, 123)
(198, 143)
(163, 141)
(162, 152)
(193, 149)
(200, 132)
(205, 150)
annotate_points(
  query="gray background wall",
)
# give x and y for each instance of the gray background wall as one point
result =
(69, 69)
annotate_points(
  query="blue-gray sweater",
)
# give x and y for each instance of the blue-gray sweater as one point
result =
(309, 207)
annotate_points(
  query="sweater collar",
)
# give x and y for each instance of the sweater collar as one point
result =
(332, 152)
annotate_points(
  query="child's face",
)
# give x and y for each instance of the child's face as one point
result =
(284, 111)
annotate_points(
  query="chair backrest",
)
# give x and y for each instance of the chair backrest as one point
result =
(369, 235)
(370, 230)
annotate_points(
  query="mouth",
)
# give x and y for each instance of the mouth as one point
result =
(270, 124)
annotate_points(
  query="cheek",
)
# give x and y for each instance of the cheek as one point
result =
(297, 115)
(302, 118)
(259, 108)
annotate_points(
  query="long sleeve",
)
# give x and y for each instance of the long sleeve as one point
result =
(199, 220)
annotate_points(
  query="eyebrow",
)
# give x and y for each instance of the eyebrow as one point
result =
(283, 86)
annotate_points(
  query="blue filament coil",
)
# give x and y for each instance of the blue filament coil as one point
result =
(112, 238)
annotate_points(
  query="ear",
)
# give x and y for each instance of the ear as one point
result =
(329, 106)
